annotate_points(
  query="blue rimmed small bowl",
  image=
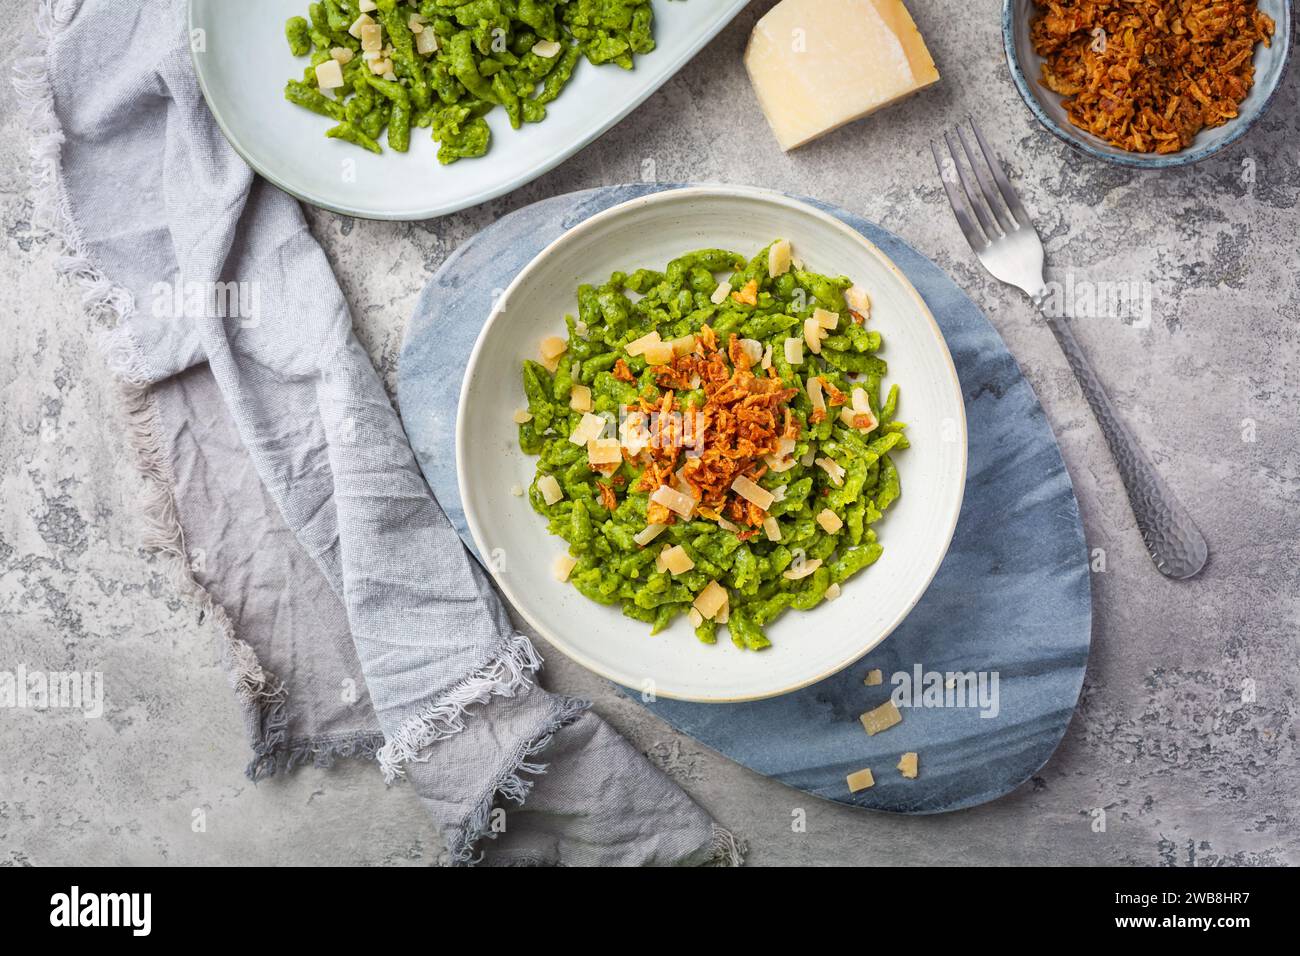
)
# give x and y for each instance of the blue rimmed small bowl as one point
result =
(1026, 69)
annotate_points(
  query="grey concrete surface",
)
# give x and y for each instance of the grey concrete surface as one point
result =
(1186, 732)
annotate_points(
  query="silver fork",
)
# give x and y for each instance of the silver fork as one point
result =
(1005, 241)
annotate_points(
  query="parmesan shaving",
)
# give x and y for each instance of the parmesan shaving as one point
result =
(832, 468)
(812, 334)
(827, 320)
(881, 718)
(720, 293)
(564, 566)
(522, 415)
(829, 520)
(676, 560)
(604, 451)
(874, 678)
(907, 765)
(771, 528)
(550, 489)
(358, 24)
(695, 617)
(517, 490)
(753, 350)
(426, 42)
(329, 75)
(637, 346)
(752, 492)
(814, 388)
(767, 359)
(794, 351)
(546, 49)
(683, 345)
(806, 568)
(711, 600)
(778, 258)
(580, 398)
(674, 500)
(648, 534)
(660, 353)
(832, 591)
(589, 428)
(553, 347)
(858, 300)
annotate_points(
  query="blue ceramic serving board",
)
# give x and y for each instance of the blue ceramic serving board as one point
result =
(1011, 602)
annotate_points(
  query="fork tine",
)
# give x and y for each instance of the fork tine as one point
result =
(968, 227)
(991, 229)
(1000, 177)
(987, 189)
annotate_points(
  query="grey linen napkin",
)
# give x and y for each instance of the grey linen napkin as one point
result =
(282, 485)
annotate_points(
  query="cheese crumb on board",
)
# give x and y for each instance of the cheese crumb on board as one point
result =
(874, 678)
(881, 718)
(818, 64)
(907, 765)
(860, 780)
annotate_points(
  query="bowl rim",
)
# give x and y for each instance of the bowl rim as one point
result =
(687, 193)
(1184, 157)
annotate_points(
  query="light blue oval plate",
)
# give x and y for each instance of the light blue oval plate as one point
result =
(988, 665)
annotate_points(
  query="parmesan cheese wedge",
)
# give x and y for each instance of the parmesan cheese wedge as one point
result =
(818, 64)
(860, 780)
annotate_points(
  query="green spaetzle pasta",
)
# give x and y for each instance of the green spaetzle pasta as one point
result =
(454, 61)
(768, 508)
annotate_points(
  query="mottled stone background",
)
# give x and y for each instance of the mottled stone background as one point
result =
(1188, 769)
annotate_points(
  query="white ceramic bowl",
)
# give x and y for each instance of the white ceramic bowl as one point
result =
(242, 62)
(806, 646)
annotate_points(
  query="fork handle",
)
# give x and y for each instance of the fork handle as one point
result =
(1176, 544)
